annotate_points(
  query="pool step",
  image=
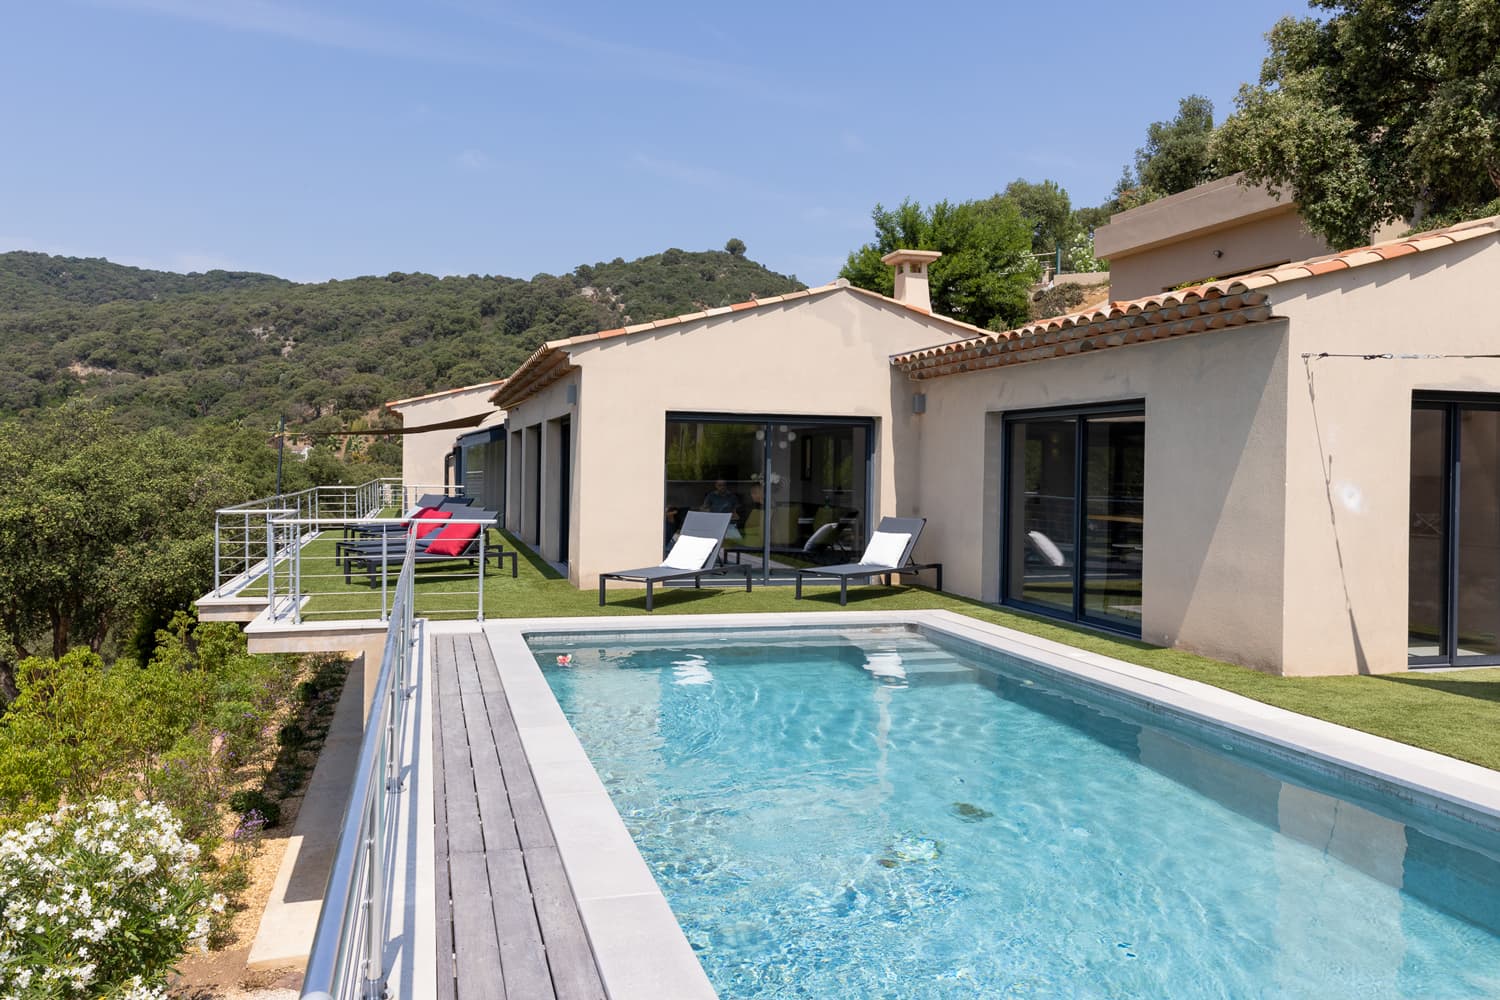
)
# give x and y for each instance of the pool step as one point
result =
(925, 666)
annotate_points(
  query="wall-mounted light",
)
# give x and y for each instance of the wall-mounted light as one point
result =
(1218, 253)
(919, 402)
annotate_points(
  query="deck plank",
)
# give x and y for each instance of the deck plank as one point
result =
(495, 817)
(575, 976)
(530, 818)
(464, 832)
(442, 884)
(523, 956)
(476, 949)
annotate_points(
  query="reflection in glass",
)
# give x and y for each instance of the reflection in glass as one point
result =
(1042, 512)
(711, 466)
(1426, 579)
(820, 514)
(1477, 589)
(1114, 508)
(798, 490)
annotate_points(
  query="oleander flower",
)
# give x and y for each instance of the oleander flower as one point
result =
(99, 899)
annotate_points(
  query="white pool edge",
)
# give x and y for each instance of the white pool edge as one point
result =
(640, 947)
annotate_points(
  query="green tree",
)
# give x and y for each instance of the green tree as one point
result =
(99, 526)
(1374, 112)
(986, 268)
(735, 247)
(1047, 209)
(1176, 155)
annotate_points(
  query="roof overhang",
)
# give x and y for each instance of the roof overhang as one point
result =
(397, 404)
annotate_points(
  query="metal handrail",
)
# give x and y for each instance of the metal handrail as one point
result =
(348, 951)
(240, 530)
(288, 535)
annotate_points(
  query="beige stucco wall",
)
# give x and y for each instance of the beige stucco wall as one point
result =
(1215, 450)
(1174, 240)
(1277, 490)
(1250, 245)
(1349, 440)
(825, 356)
(422, 454)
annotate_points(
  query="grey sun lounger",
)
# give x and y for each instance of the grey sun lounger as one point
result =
(438, 502)
(870, 565)
(691, 556)
(369, 554)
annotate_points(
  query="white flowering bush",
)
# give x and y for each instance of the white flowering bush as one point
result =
(98, 900)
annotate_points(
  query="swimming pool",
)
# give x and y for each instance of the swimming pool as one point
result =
(892, 812)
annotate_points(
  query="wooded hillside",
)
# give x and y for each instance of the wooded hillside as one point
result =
(164, 348)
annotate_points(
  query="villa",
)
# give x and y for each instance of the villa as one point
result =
(1255, 457)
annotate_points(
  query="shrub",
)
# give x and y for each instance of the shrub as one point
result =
(190, 781)
(249, 801)
(98, 900)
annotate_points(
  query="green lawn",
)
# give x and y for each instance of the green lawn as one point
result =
(1455, 713)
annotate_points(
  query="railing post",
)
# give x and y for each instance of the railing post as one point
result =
(297, 575)
(217, 583)
(484, 534)
(385, 560)
(374, 905)
(246, 551)
(271, 564)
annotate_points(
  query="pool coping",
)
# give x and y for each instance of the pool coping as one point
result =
(642, 951)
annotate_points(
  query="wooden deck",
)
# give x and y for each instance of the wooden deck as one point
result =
(508, 925)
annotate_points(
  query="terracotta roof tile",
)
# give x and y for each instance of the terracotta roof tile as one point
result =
(549, 363)
(1212, 306)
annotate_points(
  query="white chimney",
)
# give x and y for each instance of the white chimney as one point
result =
(911, 276)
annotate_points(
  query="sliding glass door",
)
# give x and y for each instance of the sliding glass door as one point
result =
(1075, 513)
(1453, 571)
(797, 488)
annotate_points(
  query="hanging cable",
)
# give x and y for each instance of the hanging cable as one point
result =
(1320, 355)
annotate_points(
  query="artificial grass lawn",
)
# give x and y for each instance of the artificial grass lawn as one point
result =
(1456, 713)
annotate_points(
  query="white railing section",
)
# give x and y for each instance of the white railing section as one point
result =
(349, 957)
(329, 568)
(244, 537)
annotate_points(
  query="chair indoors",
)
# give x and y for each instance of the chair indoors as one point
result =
(889, 552)
(694, 554)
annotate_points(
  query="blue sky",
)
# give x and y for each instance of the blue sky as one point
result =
(328, 140)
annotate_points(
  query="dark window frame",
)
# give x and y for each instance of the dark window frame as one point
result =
(1079, 416)
(769, 421)
(1451, 405)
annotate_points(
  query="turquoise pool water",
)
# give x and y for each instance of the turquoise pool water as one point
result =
(875, 814)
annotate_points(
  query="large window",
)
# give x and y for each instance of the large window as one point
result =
(797, 488)
(1453, 573)
(1075, 509)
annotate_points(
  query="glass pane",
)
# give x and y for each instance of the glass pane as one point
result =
(1114, 508)
(1042, 512)
(474, 468)
(819, 508)
(1478, 581)
(1426, 579)
(715, 467)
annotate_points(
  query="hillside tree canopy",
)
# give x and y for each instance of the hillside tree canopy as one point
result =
(1375, 112)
